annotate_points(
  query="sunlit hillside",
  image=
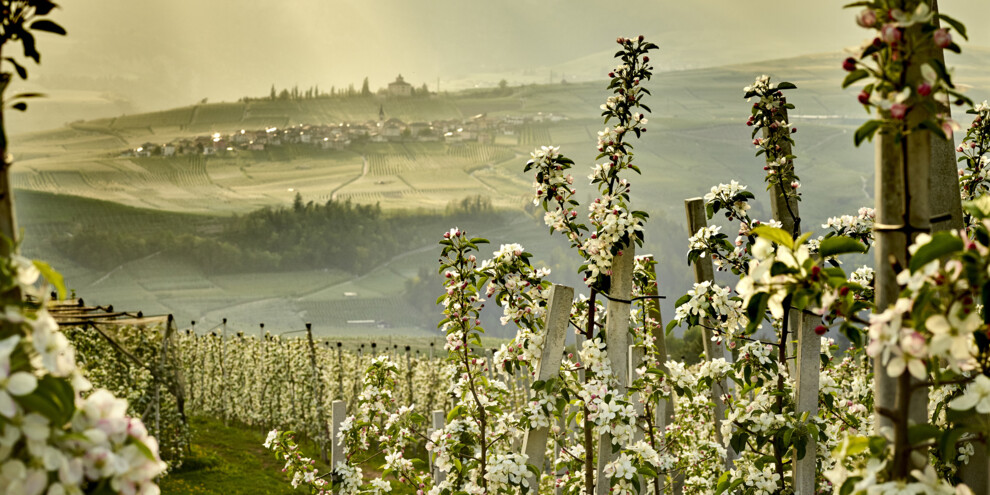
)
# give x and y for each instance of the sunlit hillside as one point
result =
(696, 132)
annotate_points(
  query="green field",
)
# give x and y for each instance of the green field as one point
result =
(231, 460)
(74, 177)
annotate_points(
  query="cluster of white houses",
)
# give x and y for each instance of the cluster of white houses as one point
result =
(479, 128)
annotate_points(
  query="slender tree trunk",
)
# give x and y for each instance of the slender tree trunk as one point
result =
(8, 222)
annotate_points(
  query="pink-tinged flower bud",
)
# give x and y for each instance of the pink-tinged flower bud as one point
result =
(611, 74)
(641, 37)
(620, 40)
(849, 64)
(948, 128)
(646, 59)
(925, 89)
(898, 111)
(756, 142)
(959, 149)
(942, 38)
(793, 130)
(890, 33)
(866, 18)
(864, 98)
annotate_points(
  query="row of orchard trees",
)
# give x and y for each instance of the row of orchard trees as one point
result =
(786, 413)
(290, 381)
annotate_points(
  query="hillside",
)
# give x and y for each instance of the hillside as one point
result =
(696, 132)
(693, 111)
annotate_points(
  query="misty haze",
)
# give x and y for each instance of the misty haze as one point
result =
(242, 171)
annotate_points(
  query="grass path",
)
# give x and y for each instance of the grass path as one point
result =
(230, 460)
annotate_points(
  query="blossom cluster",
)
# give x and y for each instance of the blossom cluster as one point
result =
(710, 303)
(57, 435)
(769, 117)
(975, 150)
(904, 102)
(613, 223)
(522, 292)
(301, 470)
(859, 226)
(732, 197)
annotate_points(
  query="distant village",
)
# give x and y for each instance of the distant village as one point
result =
(479, 128)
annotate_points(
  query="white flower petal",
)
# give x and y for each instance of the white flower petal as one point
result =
(22, 383)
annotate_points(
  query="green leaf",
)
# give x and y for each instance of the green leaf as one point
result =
(756, 309)
(979, 207)
(774, 234)
(933, 127)
(49, 26)
(947, 444)
(722, 484)
(54, 398)
(646, 470)
(455, 412)
(19, 106)
(942, 244)
(920, 432)
(958, 26)
(786, 85)
(144, 450)
(866, 131)
(27, 40)
(834, 246)
(21, 71)
(854, 76)
(53, 277)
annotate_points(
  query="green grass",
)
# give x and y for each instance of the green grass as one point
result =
(231, 460)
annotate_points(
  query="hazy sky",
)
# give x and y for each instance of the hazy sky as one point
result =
(150, 54)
